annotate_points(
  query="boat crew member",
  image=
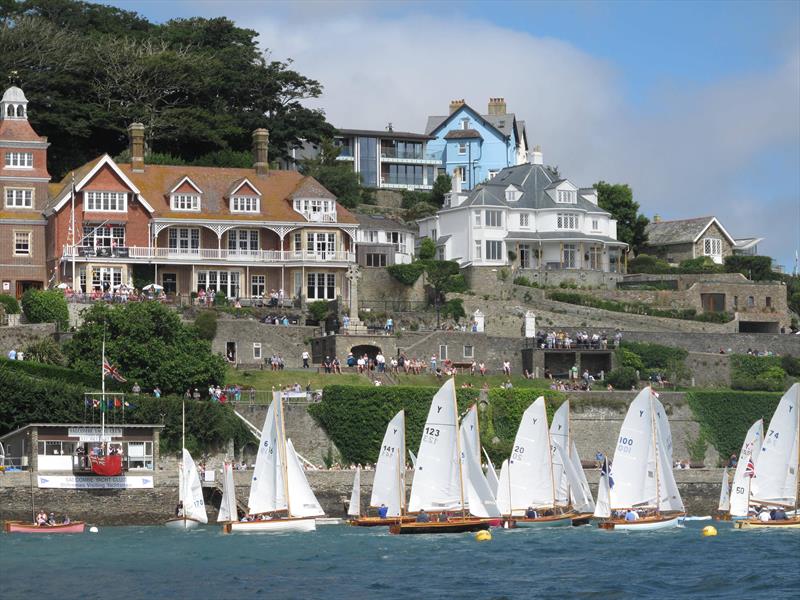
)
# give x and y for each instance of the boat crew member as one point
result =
(423, 517)
(631, 515)
(531, 513)
(763, 516)
(66, 520)
(179, 509)
(443, 517)
(51, 520)
(383, 510)
(780, 515)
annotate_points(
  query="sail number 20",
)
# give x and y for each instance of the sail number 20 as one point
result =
(625, 444)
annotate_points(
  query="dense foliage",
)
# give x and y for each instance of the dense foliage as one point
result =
(655, 356)
(757, 373)
(46, 306)
(644, 263)
(406, 274)
(149, 344)
(9, 304)
(699, 265)
(622, 378)
(628, 358)
(200, 86)
(755, 268)
(618, 200)
(726, 416)
(49, 396)
(206, 325)
(56, 373)
(355, 417)
(338, 177)
(45, 350)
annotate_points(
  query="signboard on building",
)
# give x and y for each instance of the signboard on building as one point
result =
(92, 433)
(78, 482)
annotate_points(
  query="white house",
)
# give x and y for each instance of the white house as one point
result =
(528, 217)
(383, 241)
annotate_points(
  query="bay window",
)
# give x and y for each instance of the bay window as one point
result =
(494, 250)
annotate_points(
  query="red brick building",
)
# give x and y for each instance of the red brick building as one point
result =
(24, 184)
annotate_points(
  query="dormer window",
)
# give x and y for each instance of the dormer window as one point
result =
(185, 202)
(566, 197)
(316, 209)
(247, 204)
(512, 194)
(106, 201)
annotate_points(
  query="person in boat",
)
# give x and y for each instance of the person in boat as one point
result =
(443, 517)
(41, 519)
(51, 520)
(423, 517)
(383, 510)
(179, 509)
(631, 515)
(66, 520)
(763, 516)
(531, 513)
(780, 515)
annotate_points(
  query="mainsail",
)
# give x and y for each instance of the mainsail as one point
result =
(633, 468)
(267, 487)
(478, 494)
(724, 493)
(559, 438)
(303, 502)
(491, 474)
(580, 494)
(388, 487)
(192, 493)
(669, 495)
(602, 509)
(354, 508)
(227, 506)
(437, 481)
(748, 458)
(775, 481)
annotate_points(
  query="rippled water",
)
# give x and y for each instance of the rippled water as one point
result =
(354, 563)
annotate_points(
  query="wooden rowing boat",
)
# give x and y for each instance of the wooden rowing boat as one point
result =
(564, 520)
(455, 525)
(23, 527)
(381, 522)
(644, 524)
(276, 525)
(756, 524)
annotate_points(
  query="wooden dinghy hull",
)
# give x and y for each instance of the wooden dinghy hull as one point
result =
(540, 522)
(272, 526)
(183, 523)
(756, 524)
(378, 522)
(644, 524)
(457, 526)
(22, 527)
(329, 521)
(582, 519)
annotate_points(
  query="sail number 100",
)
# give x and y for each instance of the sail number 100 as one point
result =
(625, 444)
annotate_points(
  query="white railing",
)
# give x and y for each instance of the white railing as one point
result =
(215, 254)
(320, 217)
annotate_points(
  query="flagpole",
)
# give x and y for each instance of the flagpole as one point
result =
(103, 388)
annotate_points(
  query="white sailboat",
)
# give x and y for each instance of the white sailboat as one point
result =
(774, 484)
(724, 505)
(527, 478)
(191, 511)
(491, 475)
(477, 491)
(745, 467)
(281, 499)
(389, 483)
(354, 507)
(227, 506)
(572, 488)
(438, 484)
(641, 477)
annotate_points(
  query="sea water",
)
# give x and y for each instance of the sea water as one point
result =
(342, 562)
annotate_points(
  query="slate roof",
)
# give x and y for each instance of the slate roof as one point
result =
(380, 222)
(678, 231)
(462, 134)
(533, 181)
(384, 133)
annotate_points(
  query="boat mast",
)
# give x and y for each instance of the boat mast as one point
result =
(103, 388)
(653, 435)
(282, 443)
(550, 457)
(181, 491)
(401, 459)
(568, 455)
(478, 430)
(458, 450)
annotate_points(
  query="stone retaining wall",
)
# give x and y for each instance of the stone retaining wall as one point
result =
(21, 336)
(288, 341)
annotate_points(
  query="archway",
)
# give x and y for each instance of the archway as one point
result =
(368, 349)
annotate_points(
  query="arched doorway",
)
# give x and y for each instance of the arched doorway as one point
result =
(368, 349)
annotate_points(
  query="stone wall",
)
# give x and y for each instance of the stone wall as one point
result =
(712, 342)
(288, 341)
(377, 285)
(485, 280)
(708, 369)
(20, 336)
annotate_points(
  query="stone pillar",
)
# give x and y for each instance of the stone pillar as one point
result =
(353, 274)
(33, 450)
(530, 324)
(479, 321)
(156, 443)
(261, 151)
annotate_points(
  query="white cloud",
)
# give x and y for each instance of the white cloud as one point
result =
(683, 152)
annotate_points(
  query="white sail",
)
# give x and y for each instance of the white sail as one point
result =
(267, 487)
(193, 505)
(530, 474)
(633, 469)
(227, 507)
(724, 493)
(413, 458)
(354, 508)
(388, 486)
(302, 501)
(775, 482)
(503, 490)
(740, 490)
(559, 438)
(580, 495)
(491, 474)
(669, 495)
(437, 481)
(478, 495)
(602, 508)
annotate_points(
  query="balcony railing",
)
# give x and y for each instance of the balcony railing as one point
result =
(213, 254)
(320, 217)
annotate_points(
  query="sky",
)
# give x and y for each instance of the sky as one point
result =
(696, 105)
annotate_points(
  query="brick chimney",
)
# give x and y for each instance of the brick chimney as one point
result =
(136, 147)
(497, 106)
(455, 105)
(656, 218)
(261, 151)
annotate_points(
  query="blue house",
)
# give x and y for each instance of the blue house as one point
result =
(474, 147)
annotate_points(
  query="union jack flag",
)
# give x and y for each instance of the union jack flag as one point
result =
(109, 369)
(605, 471)
(750, 469)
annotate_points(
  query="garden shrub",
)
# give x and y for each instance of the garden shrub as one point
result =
(644, 263)
(10, 304)
(757, 373)
(406, 274)
(206, 325)
(791, 364)
(699, 265)
(47, 351)
(522, 280)
(454, 309)
(46, 306)
(622, 378)
(627, 358)
(756, 268)
(655, 356)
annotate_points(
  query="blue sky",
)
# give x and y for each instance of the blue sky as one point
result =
(695, 104)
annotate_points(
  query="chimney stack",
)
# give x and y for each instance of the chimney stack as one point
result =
(536, 156)
(260, 151)
(656, 218)
(136, 140)
(455, 105)
(497, 106)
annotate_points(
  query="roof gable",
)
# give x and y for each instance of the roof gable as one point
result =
(682, 231)
(185, 185)
(466, 108)
(243, 187)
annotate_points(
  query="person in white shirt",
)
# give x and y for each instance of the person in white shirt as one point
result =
(305, 356)
(764, 515)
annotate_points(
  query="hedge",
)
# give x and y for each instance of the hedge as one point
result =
(10, 304)
(28, 399)
(725, 416)
(656, 356)
(61, 375)
(406, 274)
(757, 373)
(355, 417)
(46, 306)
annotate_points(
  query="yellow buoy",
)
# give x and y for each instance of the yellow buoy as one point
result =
(483, 536)
(709, 531)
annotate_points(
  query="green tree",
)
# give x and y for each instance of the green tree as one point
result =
(149, 344)
(46, 306)
(47, 351)
(337, 177)
(618, 200)
(442, 186)
(427, 249)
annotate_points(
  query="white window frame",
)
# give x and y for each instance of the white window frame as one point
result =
(256, 350)
(185, 202)
(258, 285)
(493, 219)
(493, 173)
(103, 201)
(103, 236)
(321, 281)
(442, 352)
(398, 239)
(245, 204)
(19, 197)
(710, 245)
(371, 236)
(567, 197)
(243, 241)
(465, 123)
(524, 220)
(595, 224)
(494, 250)
(568, 221)
(471, 353)
(511, 195)
(569, 256)
(22, 243)
(478, 250)
(183, 239)
(478, 219)
(19, 160)
(462, 148)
